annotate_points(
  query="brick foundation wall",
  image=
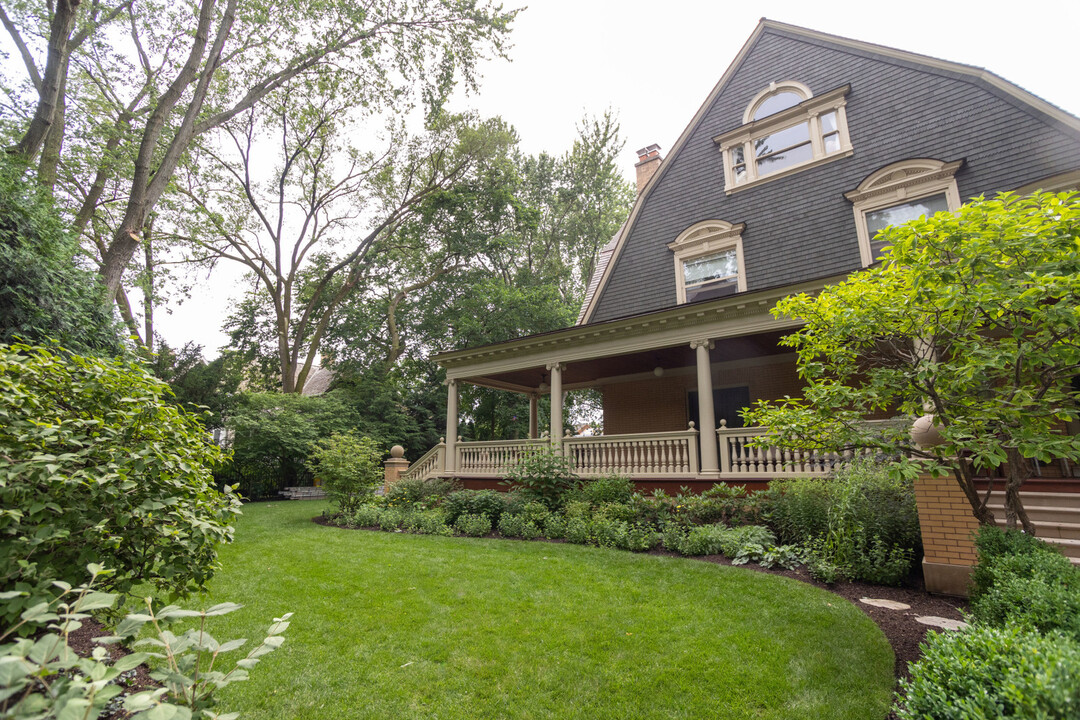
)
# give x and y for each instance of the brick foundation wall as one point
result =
(947, 526)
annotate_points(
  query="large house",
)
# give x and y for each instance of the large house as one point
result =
(806, 147)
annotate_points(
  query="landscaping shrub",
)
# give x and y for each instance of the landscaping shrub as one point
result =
(535, 512)
(428, 522)
(555, 526)
(414, 491)
(577, 531)
(672, 536)
(608, 533)
(476, 502)
(390, 519)
(99, 467)
(641, 538)
(473, 525)
(365, 516)
(576, 509)
(1020, 580)
(861, 521)
(700, 540)
(732, 540)
(350, 468)
(616, 511)
(519, 526)
(544, 475)
(604, 489)
(986, 673)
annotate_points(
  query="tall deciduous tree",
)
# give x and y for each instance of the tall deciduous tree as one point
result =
(139, 99)
(972, 317)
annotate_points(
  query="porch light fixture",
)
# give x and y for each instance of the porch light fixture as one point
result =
(658, 371)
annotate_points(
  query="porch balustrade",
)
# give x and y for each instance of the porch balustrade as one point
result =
(669, 454)
(652, 455)
(739, 458)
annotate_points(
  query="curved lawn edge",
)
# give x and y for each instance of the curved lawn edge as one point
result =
(402, 625)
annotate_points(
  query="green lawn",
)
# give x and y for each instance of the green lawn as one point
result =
(390, 625)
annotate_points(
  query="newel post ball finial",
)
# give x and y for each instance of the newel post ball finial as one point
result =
(691, 424)
(397, 451)
(925, 433)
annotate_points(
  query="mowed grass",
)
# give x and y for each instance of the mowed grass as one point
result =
(391, 625)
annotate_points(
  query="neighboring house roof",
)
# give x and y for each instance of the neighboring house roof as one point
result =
(703, 158)
(318, 381)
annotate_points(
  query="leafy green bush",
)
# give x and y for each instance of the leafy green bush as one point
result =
(535, 512)
(390, 519)
(577, 509)
(555, 526)
(473, 525)
(350, 468)
(732, 540)
(519, 526)
(700, 540)
(672, 536)
(1020, 580)
(862, 522)
(99, 467)
(608, 533)
(44, 678)
(641, 538)
(604, 489)
(616, 511)
(475, 502)
(577, 531)
(544, 475)
(365, 516)
(418, 491)
(986, 673)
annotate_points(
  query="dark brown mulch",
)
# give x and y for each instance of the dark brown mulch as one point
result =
(133, 681)
(901, 629)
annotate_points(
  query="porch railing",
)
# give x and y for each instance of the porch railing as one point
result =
(493, 457)
(648, 454)
(738, 458)
(430, 463)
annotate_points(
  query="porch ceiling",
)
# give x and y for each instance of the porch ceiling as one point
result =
(589, 371)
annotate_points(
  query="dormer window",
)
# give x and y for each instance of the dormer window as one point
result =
(708, 261)
(899, 193)
(786, 129)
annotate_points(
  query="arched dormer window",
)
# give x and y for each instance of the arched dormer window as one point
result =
(708, 261)
(778, 96)
(898, 193)
(786, 129)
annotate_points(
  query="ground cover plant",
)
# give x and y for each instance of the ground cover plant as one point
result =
(404, 625)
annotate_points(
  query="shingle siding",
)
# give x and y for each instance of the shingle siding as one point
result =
(801, 227)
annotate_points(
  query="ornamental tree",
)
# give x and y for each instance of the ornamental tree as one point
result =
(972, 317)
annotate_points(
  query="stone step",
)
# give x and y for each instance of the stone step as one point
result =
(303, 493)
(1042, 513)
(1039, 498)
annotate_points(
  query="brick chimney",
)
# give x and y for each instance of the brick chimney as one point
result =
(647, 165)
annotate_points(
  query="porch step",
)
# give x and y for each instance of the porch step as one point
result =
(303, 493)
(1056, 517)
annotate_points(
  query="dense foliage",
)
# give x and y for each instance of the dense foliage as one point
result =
(970, 317)
(45, 678)
(987, 673)
(98, 467)
(861, 522)
(543, 475)
(44, 293)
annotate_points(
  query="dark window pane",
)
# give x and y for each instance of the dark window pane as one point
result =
(878, 220)
(715, 289)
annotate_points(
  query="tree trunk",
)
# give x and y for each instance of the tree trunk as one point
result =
(1017, 471)
(965, 478)
(60, 28)
(54, 140)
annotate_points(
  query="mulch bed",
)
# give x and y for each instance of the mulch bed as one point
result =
(133, 681)
(900, 627)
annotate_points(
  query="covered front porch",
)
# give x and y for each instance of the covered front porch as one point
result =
(672, 384)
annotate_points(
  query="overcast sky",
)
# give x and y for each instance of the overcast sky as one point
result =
(655, 62)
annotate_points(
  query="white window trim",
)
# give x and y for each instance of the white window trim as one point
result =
(809, 110)
(897, 183)
(705, 238)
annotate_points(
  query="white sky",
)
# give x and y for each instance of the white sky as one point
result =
(654, 64)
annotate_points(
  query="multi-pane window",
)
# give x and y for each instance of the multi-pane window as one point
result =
(710, 276)
(878, 220)
(708, 261)
(785, 130)
(900, 193)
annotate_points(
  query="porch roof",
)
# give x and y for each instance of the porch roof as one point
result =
(632, 344)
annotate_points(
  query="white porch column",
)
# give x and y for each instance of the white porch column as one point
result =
(706, 413)
(556, 427)
(534, 420)
(450, 461)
